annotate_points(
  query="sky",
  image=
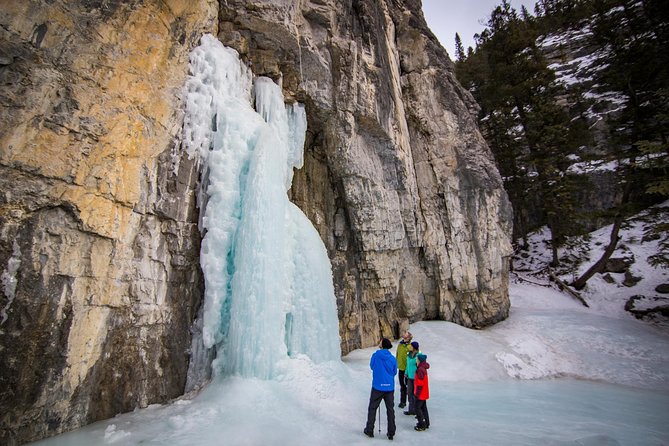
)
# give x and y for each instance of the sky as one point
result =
(466, 17)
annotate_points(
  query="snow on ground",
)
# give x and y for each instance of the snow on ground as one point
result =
(636, 246)
(553, 373)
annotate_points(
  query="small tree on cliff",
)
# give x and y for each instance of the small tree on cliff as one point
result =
(459, 49)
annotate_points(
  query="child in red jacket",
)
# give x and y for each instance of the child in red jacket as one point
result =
(422, 393)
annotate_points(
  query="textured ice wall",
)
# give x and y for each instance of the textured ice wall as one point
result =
(268, 279)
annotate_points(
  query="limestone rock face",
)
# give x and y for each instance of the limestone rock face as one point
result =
(99, 243)
(397, 177)
(98, 219)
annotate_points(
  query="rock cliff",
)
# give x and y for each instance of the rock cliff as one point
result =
(397, 178)
(99, 243)
(98, 234)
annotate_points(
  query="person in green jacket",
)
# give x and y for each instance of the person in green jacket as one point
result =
(410, 373)
(401, 356)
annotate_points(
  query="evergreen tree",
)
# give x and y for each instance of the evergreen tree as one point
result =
(635, 34)
(529, 133)
(459, 49)
(534, 125)
(637, 37)
(538, 10)
(562, 14)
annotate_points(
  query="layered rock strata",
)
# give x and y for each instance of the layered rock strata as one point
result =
(98, 232)
(99, 243)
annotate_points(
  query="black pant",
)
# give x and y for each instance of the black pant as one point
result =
(374, 402)
(421, 413)
(403, 388)
(412, 397)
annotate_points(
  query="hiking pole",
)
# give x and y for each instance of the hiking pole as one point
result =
(379, 409)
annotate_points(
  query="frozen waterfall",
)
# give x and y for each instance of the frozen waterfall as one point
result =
(268, 279)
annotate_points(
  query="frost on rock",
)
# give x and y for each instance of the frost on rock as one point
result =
(9, 280)
(268, 280)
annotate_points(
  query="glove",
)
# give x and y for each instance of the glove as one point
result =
(417, 391)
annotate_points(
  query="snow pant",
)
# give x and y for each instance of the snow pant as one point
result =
(374, 403)
(422, 415)
(412, 397)
(403, 388)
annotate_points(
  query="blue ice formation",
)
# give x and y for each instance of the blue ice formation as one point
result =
(268, 280)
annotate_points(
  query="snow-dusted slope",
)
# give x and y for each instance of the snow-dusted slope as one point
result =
(608, 293)
(576, 61)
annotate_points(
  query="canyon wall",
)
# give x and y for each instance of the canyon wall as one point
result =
(99, 243)
(98, 224)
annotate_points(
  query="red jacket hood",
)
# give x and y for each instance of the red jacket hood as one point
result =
(422, 369)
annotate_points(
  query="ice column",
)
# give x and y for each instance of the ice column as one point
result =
(268, 279)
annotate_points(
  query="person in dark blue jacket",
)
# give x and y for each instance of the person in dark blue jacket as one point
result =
(384, 369)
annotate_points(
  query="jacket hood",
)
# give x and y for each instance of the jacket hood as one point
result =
(421, 371)
(388, 360)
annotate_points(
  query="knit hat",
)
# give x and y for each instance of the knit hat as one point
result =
(414, 344)
(385, 343)
(422, 357)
